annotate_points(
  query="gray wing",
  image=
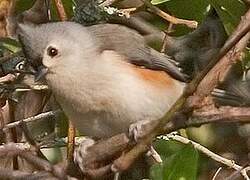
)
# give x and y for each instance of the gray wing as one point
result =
(132, 45)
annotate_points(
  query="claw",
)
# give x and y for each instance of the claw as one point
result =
(81, 153)
(137, 130)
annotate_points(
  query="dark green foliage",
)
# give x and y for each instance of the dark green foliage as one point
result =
(89, 13)
(10, 45)
(23, 5)
(230, 12)
(186, 9)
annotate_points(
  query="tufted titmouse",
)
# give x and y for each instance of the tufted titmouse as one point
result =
(97, 77)
(195, 50)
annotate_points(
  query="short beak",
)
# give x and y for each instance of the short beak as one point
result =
(40, 73)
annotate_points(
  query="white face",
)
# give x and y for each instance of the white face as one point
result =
(62, 46)
(63, 52)
(58, 54)
(51, 56)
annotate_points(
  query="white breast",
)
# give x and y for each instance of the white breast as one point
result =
(107, 97)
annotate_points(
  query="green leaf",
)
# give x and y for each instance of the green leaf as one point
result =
(167, 148)
(156, 172)
(10, 45)
(68, 5)
(180, 166)
(23, 5)
(230, 12)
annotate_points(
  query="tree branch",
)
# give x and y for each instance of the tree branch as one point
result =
(8, 174)
(30, 119)
(210, 114)
(60, 10)
(11, 149)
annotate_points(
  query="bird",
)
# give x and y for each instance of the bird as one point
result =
(195, 50)
(104, 77)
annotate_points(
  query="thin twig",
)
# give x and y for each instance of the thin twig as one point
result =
(236, 175)
(8, 174)
(107, 3)
(38, 87)
(228, 162)
(169, 18)
(210, 114)
(26, 151)
(71, 143)
(165, 42)
(11, 149)
(39, 163)
(154, 154)
(60, 10)
(28, 136)
(57, 170)
(126, 12)
(117, 176)
(216, 173)
(31, 119)
(12, 108)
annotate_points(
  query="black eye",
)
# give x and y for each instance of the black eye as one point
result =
(52, 52)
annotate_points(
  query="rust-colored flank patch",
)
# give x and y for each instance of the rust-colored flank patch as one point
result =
(154, 77)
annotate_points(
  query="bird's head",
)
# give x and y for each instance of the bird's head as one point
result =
(53, 46)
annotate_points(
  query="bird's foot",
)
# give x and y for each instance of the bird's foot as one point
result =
(81, 153)
(140, 129)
